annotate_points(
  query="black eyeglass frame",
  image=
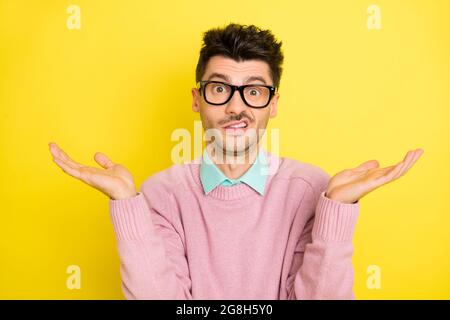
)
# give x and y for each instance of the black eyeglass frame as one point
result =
(203, 83)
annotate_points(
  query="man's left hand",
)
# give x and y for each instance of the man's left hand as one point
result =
(350, 185)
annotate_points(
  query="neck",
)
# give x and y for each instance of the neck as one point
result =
(233, 165)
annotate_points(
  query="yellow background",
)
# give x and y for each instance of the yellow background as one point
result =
(121, 84)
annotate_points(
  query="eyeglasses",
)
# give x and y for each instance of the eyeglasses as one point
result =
(254, 95)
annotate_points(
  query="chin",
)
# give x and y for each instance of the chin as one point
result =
(238, 149)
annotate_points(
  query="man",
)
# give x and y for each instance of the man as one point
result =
(255, 226)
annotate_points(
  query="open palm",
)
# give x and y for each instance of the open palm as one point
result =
(350, 185)
(112, 179)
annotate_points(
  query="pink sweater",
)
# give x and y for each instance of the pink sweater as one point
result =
(175, 242)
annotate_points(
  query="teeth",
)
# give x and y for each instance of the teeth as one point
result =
(238, 125)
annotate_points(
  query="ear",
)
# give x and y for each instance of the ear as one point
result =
(195, 100)
(274, 105)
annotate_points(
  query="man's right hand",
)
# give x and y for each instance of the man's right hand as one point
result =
(114, 180)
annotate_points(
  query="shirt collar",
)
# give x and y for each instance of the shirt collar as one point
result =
(255, 177)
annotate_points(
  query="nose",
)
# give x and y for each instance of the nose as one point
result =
(235, 105)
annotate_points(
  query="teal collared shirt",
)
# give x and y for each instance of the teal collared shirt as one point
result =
(255, 177)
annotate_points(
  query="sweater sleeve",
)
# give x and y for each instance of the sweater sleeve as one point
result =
(322, 264)
(153, 262)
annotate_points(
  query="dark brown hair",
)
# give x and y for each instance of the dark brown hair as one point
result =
(241, 42)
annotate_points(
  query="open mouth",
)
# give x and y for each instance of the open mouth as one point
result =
(236, 127)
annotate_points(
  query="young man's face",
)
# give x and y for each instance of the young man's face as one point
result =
(235, 111)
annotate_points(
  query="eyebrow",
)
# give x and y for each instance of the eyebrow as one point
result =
(226, 78)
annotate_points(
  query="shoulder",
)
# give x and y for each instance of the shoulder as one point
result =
(163, 183)
(299, 172)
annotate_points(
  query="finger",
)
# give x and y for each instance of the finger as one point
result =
(69, 166)
(399, 167)
(385, 171)
(406, 164)
(53, 149)
(414, 157)
(103, 160)
(380, 176)
(69, 159)
(58, 152)
(417, 156)
(367, 165)
(67, 169)
(394, 172)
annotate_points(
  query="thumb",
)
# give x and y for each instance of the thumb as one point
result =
(103, 160)
(367, 165)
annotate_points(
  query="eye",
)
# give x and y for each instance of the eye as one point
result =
(254, 92)
(219, 88)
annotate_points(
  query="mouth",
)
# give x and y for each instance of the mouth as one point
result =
(236, 127)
